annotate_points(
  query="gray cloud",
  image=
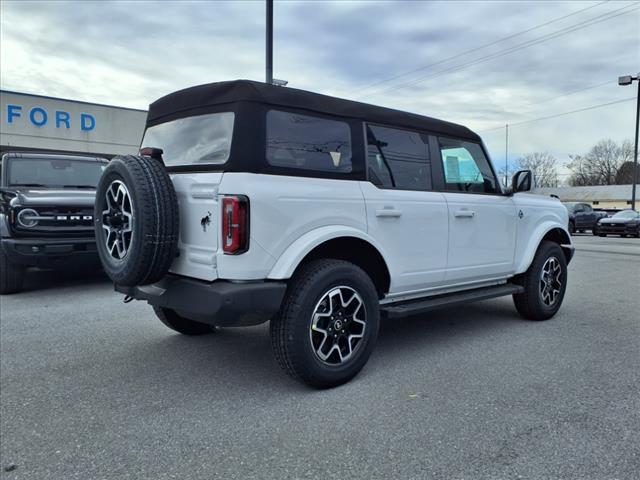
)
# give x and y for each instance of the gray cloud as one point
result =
(130, 53)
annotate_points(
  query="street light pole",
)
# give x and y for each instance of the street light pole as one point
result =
(628, 80)
(635, 152)
(269, 43)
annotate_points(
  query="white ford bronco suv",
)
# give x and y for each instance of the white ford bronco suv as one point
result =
(252, 202)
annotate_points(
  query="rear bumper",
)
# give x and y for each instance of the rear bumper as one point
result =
(50, 252)
(220, 303)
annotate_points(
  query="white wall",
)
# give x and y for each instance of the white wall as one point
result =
(31, 121)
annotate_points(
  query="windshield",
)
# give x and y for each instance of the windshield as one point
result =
(626, 214)
(570, 206)
(59, 172)
(204, 139)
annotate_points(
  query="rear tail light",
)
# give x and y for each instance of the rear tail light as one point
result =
(235, 224)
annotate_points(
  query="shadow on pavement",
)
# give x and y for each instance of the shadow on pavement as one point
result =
(37, 279)
(239, 357)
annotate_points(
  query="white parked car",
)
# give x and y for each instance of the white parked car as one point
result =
(251, 202)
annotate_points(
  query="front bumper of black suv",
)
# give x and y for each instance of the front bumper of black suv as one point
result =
(50, 252)
(220, 303)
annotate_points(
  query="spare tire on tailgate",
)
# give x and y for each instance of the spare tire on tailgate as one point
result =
(136, 220)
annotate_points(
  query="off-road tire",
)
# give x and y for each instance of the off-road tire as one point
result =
(529, 304)
(154, 242)
(11, 276)
(181, 324)
(290, 327)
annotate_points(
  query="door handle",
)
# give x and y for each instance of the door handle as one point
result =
(464, 213)
(388, 212)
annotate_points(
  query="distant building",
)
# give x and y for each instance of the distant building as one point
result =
(39, 123)
(600, 196)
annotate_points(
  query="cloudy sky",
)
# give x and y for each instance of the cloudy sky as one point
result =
(482, 64)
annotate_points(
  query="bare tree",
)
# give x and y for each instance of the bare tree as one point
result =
(544, 167)
(601, 164)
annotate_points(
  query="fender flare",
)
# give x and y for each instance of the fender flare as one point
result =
(289, 260)
(534, 241)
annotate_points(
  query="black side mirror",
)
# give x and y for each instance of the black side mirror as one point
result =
(522, 181)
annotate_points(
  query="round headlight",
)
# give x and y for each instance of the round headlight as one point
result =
(26, 218)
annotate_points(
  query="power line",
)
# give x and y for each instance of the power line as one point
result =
(466, 52)
(592, 107)
(523, 45)
(608, 82)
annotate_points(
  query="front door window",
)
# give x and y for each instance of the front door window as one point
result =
(466, 168)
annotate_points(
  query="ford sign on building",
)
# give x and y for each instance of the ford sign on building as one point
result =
(34, 122)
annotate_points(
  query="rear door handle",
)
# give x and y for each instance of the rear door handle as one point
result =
(464, 213)
(388, 212)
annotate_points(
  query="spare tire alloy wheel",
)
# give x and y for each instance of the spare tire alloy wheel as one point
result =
(137, 224)
(338, 325)
(117, 220)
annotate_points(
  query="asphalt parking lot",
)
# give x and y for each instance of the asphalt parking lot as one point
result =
(92, 388)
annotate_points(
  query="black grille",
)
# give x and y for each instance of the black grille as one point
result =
(59, 221)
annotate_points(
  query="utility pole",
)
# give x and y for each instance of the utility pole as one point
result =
(506, 155)
(635, 152)
(269, 43)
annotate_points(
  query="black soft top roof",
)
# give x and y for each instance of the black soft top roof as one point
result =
(194, 100)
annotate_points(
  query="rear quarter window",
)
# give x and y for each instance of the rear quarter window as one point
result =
(307, 142)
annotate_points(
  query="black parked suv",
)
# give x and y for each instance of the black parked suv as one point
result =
(46, 213)
(582, 217)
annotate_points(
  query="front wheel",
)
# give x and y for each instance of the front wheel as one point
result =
(544, 283)
(181, 324)
(328, 323)
(572, 228)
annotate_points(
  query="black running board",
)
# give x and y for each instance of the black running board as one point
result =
(421, 305)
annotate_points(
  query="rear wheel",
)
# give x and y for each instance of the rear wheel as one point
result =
(544, 283)
(328, 323)
(181, 324)
(11, 276)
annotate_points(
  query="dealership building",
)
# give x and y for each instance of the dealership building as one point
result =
(48, 124)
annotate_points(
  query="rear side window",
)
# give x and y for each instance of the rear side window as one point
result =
(398, 158)
(308, 143)
(466, 168)
(199, 140)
